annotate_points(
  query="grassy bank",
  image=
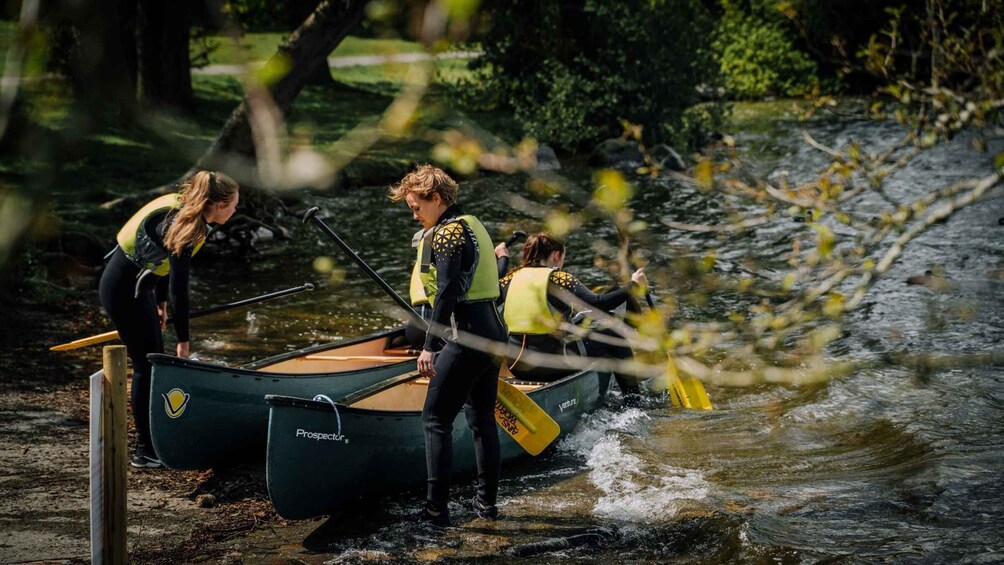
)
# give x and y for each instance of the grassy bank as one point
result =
(249, 47)
(124, 160)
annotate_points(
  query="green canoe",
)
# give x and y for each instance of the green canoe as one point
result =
(320, 456)
(204, 415)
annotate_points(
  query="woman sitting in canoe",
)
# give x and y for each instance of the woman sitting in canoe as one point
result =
(150, 263)
(458, 268)
(533, 308)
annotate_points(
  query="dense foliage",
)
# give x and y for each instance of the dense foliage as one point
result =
(758, 56)
(572, 71)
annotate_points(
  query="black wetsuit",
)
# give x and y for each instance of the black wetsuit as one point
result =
(132, 306)
(415, 335)
(465, 377)
(553, 344)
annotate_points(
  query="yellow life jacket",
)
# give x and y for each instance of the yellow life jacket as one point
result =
(526, 310)
(484, 281)
(416, 289)
(136, 242)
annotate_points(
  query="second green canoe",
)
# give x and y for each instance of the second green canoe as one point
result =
(322, 454)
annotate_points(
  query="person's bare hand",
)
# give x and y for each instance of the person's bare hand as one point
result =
(182, 349)
(501, 250)
(426, 364)
(162, 314)
(640, 278)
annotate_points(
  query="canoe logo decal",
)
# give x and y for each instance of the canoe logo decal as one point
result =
(321, 436)
(568, 404)
(175, 402)
(506, 418)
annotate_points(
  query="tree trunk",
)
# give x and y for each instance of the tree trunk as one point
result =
(165, 74)
(307, 49)
(127, 38)
(294, 14)
(99, 66)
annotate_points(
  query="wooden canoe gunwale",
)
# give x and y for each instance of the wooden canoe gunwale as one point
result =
(289, 355)
(252, 367)
(344, 403)
(243, 370)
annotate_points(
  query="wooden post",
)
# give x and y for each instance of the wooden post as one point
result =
(114, 455)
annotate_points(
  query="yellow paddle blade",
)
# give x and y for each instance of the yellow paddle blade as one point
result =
(100, 338)
(695, 392)
(528, 424)
(686, 393)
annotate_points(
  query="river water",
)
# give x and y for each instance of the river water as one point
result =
(886, 464)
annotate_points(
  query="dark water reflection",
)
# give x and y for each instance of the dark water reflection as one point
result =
(883, 465)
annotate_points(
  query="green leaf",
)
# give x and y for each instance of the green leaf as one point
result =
(826, 239)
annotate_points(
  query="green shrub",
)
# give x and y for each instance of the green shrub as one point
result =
(759, 58)
(572, 71)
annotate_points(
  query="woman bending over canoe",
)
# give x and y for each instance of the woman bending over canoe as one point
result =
(533, 307)
(459, 274)
(150, 263)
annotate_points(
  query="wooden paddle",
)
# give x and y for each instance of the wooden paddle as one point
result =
(528, 424)
(108, 336)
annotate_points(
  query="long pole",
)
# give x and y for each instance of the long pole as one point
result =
(248, 301)
(108, 336)
(311, 216)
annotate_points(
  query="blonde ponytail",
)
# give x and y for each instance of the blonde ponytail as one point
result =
(203, 190)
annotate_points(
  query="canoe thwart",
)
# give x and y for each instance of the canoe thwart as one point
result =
(381, 386)
(378, 358)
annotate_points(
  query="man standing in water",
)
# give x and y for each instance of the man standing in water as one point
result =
(459, 272)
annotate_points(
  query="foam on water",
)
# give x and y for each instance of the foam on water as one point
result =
(212, 344)
(360, 555)
(634, 491)
(252, 321)
(597, 425)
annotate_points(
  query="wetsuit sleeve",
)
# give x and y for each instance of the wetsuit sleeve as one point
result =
(603, 301)
(503, 264)
(504, 287)
(161, 289)
(180, 265)
(448, 246)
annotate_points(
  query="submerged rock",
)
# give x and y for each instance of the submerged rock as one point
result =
(667, 158)
(546, 159)
(617, 153)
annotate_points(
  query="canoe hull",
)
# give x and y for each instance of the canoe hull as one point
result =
(204, 415)
(318, 459)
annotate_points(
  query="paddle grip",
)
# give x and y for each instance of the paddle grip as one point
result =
(518, 235)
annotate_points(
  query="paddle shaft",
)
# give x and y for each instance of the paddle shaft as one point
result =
(311, 215)
(248, 301)
(108, 336)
